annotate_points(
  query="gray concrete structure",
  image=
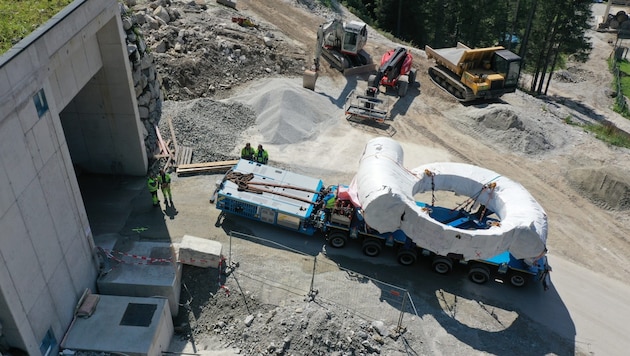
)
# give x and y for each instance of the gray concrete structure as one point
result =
(124, 325)
(155, 273)
(66, 100)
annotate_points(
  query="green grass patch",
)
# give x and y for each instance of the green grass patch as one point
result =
(625, 85)
(18, 18)
(610, 133)
(624, 66)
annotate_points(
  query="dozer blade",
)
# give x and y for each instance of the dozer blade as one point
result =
(360, 69)
(308, 79)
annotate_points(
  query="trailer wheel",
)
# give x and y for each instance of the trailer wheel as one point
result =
(479, 274)
(337, 239)
(403, 84)
(517, 279)
(442, 265)
(407, 257)
(372, 247)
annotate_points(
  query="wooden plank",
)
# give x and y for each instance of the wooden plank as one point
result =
(217, 169)
(230, 163)
(184, 155)
(163, 148)
(173, 159)
(170, 126)
(188, 156)
(204, 169)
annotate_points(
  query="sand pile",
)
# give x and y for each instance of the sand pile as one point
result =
(287, 112)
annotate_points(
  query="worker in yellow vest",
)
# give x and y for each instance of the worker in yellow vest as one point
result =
(248, 152)
(153, 184)
(261, 155)
(165, 184)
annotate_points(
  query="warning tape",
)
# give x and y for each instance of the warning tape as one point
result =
(144, 260)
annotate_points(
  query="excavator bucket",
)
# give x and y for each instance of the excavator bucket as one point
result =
(360, 69)
(308, 79)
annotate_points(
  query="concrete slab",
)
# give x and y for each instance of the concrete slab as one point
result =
(125, 325)
(199, 252)
(140, 269)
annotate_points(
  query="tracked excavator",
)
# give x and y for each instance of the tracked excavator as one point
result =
(470, 74)
(341, 44)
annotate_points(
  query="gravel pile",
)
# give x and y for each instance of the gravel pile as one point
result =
(279, 110)
(286, 112)
(207, 126)
(299, 326)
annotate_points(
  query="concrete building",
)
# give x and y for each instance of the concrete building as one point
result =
(67, 101)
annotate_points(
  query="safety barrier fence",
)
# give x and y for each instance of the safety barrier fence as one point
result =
(314, 277)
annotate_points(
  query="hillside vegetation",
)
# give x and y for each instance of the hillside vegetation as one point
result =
(19, 18)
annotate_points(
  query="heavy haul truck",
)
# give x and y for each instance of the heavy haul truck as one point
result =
(500, 234)
(470, 74)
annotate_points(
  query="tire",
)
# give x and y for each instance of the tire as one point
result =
(371, 80)
(517, 279)
(407, 257)
(372, 247)
(337, 239)
(479, 274)
(442, 265)
(403, 84)
(345, 63)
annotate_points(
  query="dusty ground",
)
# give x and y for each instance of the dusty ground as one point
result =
(582, 183)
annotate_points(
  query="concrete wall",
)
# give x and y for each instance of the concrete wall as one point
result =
(78, 61)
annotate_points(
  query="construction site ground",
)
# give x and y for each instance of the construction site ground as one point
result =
(582, 183)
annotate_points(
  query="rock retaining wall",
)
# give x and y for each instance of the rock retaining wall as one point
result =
(146, 81)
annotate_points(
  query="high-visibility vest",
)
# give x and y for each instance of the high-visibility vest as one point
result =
(165, 181)
(248, 152)
(262, 156)
(330, 202)
(152, 184)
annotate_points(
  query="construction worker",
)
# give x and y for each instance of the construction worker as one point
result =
(261, 155)
(153, 184)
(331, 200)
(248, 152)
(165, 184)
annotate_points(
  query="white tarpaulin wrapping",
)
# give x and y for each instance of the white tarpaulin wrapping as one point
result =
(385, 190)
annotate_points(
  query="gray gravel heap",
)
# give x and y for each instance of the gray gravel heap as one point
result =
(208, 126)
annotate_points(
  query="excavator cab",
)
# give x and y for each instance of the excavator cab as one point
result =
(354, 37)
(341, 44)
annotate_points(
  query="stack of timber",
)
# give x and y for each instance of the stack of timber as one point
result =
(183, 155)
(208, 167)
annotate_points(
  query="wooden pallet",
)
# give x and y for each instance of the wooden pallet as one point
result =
(207, 167)
(183, 155)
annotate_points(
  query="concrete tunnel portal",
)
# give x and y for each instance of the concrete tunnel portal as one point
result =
(101, 121)
(68, 104)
